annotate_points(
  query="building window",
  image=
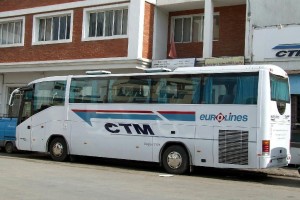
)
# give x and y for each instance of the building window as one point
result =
(53, 28)
(105, 24)
(11, 32)
(190, 28)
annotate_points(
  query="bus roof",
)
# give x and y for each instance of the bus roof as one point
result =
(185, 70)
(233, 68)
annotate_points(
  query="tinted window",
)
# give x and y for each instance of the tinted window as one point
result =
(48, 94)
(230, 89)
(87, 90)
(279, 89)
(176, 89)
(129, 90)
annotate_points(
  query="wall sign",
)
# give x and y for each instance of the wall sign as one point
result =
(276, 43)
(173, 63)
(236, 60)
(287, 50)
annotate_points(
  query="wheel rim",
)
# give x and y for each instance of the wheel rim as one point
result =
(174, 160)
(57, 149)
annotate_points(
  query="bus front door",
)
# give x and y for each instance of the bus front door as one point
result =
(23, 131)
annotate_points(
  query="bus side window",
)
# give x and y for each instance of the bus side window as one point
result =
(230, 89)
(88, 91)
(218, 89)
(208, 91)
(47, 94)
(246, 90)
(117, 90)
(76, 90)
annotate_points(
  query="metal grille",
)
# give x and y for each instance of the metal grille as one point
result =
(233, 147)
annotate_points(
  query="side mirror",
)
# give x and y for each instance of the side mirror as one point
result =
(12, 95)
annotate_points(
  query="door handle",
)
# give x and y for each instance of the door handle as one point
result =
(28, 127)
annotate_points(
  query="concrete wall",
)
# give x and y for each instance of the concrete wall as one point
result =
(160, 35)
(274, 12)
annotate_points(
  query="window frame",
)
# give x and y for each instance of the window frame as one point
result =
(36, 27)
(189, 88)
(86, 22)
(172, 32)
(15, 19)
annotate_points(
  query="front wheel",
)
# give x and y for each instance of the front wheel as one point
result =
(175, 160)
(58, 149)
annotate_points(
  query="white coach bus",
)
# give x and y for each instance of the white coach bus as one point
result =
(225, 117)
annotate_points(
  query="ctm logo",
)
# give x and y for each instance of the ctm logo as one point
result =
(287, 50)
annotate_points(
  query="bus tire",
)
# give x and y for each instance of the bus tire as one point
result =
(175, 160)
(58, 149)
(9, 147)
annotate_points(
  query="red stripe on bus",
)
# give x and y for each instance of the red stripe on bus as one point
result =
(114, 111)
(177, 112)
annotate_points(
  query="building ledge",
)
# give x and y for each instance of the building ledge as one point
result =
(82, 64)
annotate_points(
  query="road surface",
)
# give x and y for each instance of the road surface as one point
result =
(36, 177)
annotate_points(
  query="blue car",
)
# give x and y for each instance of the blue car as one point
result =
(8, 133)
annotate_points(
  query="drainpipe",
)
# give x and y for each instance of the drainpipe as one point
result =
(2, 105)
(249, 33)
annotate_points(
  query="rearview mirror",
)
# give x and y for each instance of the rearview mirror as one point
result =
(12, 95)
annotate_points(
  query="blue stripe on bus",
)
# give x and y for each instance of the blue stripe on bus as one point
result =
(87, 115)
(287, 46)
(180, 117)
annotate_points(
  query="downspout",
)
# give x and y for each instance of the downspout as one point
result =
(3, 109)
(250, 31)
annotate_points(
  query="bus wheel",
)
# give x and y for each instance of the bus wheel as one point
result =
(175, 160)
(9, 147)
(58, 149)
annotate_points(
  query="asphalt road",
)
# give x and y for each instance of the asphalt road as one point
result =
(35, 176)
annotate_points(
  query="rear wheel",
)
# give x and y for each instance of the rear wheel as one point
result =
(175, 160)
(58, 149)
(9, 147)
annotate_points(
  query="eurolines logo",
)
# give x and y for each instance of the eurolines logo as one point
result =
(287, 50)
(220, 117)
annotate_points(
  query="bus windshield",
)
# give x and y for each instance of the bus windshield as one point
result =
(279, 89)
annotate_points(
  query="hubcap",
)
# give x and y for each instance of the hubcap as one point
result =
(57, 149)
(174, 160)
